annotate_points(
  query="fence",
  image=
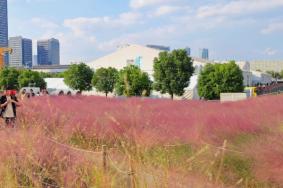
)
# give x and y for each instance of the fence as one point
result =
(108, 162)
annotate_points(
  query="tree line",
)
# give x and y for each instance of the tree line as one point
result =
(172, 73)
(11, 78)
(276, 75)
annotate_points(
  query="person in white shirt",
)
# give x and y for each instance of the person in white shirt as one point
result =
(9, 103)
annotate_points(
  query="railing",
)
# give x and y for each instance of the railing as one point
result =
(276, 88)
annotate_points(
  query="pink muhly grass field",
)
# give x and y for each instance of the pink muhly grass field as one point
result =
(153, 122)
(148, 130)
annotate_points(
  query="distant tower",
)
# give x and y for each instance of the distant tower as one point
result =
(204, 53)
(188, 49)
(3, 24)
(4, 27)
(22, 52)
(48, 52)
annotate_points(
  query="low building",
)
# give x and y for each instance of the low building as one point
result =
(51, 68)
(264, 66)
(261, 78)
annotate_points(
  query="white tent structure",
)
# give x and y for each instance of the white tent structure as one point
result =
(55, 85)
(128, 55)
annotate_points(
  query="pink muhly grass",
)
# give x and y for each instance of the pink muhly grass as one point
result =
(267, 153)
(154, 121)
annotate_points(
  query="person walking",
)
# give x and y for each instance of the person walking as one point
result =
(23, 94)
(9, 103)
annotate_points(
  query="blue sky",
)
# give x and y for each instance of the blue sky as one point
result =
(87, 29)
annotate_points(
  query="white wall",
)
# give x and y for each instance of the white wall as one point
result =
(123, 56)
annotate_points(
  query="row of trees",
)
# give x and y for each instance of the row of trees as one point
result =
(172, 72)
(11, 78)
(130, 81)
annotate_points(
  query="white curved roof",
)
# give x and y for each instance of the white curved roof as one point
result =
(120, 58)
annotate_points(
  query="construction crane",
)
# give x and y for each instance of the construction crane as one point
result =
(2, 54)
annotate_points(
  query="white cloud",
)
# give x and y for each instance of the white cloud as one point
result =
(83, 25)
(270, 51)
(152, 35)
(239, 7)
(136, 4)
(169, 9)
(43, 23)
(273, 27)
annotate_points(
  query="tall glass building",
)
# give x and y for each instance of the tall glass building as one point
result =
(22, 52)
(48, 52)
(3, 24)
(188, 50)
(204, 53)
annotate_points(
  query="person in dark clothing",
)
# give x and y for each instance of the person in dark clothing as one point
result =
(32, 93)
(9, 103)
(61, 93)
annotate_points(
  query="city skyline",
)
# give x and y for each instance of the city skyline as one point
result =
(241, 30)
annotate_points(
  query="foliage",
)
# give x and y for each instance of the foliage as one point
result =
(9, 78)
(172, 72)
(79, 77)
(133, 82)
(220, 78)
(51, 75)
(104, 79)
(276, 75)
(28, 77)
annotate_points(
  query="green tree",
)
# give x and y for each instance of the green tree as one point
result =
(133, 82)
(276, 75)
(9, 78)
(220, 78)
(79, 77)
(281, 74)
(28, 77)
(104, 79)
(172, 72)
(51, 75)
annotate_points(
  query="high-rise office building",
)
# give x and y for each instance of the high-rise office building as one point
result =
(27, 53)
(34, 60)
(22, 52)
(204, 53)
(188, 50)
(4, 27)
(3, 24)
(48, 52)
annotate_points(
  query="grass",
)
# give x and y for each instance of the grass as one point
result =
(151, 143)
